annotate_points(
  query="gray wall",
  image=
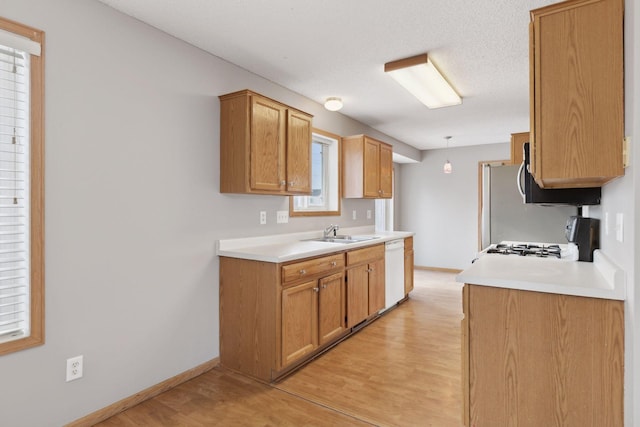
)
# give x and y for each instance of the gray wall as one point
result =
(442, 209)
(133, 208)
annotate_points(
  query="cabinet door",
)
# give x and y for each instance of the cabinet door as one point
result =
(268, 132)
(578, 87)
(376, 286)
(386, 171)
(299, 321)
(331, 308)
(357, 295)
(371, 168)
(408, 271)
(298, 153)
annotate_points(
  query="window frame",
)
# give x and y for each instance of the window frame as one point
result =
(36, 220)
(338, 191)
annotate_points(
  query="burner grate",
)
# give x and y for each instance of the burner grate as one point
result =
(526, 249)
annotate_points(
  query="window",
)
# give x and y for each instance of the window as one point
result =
(325, 178)
(21, 188)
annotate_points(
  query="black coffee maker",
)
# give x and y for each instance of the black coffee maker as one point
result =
(585, 233)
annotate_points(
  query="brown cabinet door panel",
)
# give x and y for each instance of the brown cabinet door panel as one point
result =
(357, 295)
(298, 153)
(331, 307)
(268, 121)
(299, 321)
(376, 286)
(386, 171)
(371, 168)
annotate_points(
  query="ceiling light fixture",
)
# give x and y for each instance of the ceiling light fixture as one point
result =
(419, 76)
(447, 166)
(333, 103)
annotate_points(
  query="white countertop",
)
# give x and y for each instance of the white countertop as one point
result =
(289, 247)
(598, 279)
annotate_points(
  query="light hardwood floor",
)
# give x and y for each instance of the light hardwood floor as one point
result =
(402, 370)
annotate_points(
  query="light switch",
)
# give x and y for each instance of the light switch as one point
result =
(282, 217)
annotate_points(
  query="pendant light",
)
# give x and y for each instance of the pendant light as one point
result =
(447, 166)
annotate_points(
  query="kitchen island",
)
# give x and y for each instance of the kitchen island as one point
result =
(542, 342)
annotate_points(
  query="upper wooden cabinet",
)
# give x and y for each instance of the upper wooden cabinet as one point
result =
(265, 146)
(517, 141)
(367, 166)
(577, 106)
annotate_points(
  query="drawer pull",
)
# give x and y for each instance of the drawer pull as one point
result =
(303, 271)
(333, 263)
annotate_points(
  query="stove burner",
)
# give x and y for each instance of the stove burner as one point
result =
(525, 249)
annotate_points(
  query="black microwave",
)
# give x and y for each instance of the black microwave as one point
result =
(532, 193)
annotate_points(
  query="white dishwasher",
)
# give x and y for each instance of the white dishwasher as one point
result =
(393, 272)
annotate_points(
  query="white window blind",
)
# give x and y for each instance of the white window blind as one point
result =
(14, 194)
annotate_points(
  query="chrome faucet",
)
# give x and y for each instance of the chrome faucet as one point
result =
(331, 228)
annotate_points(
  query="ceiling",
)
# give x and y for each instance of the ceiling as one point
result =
(338, 48)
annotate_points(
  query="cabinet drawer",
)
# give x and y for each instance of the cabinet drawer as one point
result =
(366, 254)
(304, 269)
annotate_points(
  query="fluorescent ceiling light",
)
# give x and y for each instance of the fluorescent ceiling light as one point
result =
(333, 103)
(419, 76)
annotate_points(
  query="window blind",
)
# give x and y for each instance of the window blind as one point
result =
(14, 194)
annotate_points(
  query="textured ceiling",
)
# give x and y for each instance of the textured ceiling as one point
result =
(339, 47)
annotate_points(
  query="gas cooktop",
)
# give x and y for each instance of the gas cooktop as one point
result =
(540, 250)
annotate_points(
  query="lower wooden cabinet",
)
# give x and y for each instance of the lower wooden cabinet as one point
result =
(365, 283)
(273, 316)
(312, 315)
(538, 359)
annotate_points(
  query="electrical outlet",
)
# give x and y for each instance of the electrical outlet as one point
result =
(74, 368)
(354, 214)
(263, 217)
(368, 213)
(282, 217)
(606, 223)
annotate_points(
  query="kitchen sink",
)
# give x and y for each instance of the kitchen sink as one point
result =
(344, 239)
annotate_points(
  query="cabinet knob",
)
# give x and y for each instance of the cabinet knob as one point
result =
(283, 182)
(303, 271)
(369, 270)
(291, 183)
(333, 263)
(316, 289)
(324, 286)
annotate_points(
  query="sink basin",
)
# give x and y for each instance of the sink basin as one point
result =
(344, 239)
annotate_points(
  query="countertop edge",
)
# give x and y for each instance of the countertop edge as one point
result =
(606, 279)
(265, 248)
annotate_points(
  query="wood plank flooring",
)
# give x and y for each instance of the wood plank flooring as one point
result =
(402, 370)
